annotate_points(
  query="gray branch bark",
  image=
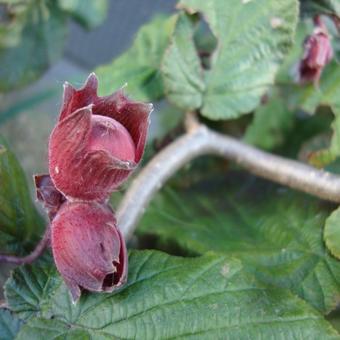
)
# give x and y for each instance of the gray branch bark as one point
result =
(202, 141)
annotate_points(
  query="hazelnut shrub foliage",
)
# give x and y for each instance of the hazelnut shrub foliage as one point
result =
(228, 255)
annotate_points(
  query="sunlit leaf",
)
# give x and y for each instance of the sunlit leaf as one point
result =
(252, 39)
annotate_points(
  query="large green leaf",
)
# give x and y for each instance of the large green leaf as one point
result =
(87, 12)
(19, 220)
(252, 38)
(276, 232)
(206, 297)
(139, 65)
(39, 30)
(9, 325)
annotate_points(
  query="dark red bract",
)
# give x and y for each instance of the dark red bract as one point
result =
(97, 142)
(48, 195)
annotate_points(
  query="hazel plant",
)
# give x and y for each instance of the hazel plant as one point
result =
(258, 259)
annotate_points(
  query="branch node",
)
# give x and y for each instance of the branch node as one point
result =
(191, 122)
(200, 140)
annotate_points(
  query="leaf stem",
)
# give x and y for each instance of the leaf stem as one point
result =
(38, 250)
(200, 140)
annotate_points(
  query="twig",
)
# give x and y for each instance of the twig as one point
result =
(38, 250)
(191, 122)
(202, 141)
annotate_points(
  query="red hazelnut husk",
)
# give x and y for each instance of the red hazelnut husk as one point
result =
(97, 141)
(88, 249)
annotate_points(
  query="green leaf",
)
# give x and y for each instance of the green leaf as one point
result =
(312, 7)
(139, 65)
(87, 12)
(285, 74)
(332, 233)
(276, 232)
(206, 297)
(29, 286)
(37, 42)
(252, 38)
(9, 325)
(20, 222)
(181, 68)
(271, 123)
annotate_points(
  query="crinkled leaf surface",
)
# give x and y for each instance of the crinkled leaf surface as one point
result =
(19, 220)
(87, 12)
(9, 324)
(139, 65)
(252, 39)
(39, 30)
(29, 286)
(276, 232)
(206, 297)
(332, 233)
